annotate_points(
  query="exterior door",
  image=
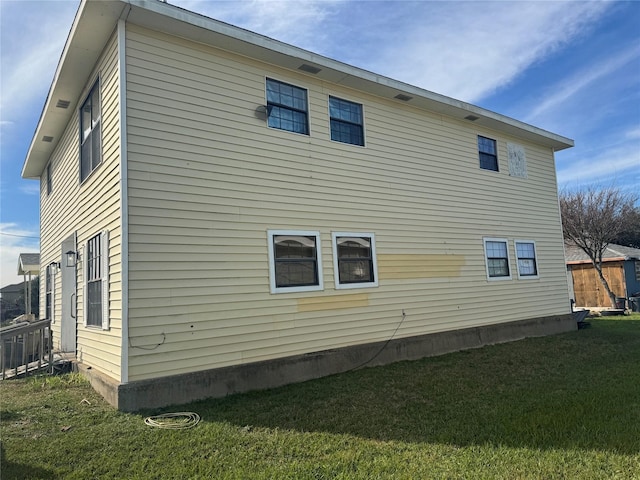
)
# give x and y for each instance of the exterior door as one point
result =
(68, 322)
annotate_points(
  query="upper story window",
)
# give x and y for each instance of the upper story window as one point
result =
(496, 253)
(526, 254)
(90, 145)
(354, 260)
(49, 179)
(488, 153)
(294, 261)
(346, 121)
(287, 107)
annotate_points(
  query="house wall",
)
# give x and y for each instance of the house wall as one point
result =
(589, 291)
(207, 178)
(632, 277)
(87, 209)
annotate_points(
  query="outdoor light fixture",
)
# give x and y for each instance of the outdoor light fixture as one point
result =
(55, 264)
(72, 258)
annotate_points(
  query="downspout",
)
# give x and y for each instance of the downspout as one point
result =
(124, 203)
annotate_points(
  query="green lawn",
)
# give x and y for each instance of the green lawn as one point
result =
(563, 407)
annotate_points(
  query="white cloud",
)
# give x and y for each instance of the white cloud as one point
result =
(14, 240)
(30, 188)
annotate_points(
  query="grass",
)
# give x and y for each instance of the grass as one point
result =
(560, 407)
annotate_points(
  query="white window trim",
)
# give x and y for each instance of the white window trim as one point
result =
(336, 271)
(535, 253)
(486, 259)
(272, 264)
(51, 270)
(364, 129)
(104, 249)
(266, 102)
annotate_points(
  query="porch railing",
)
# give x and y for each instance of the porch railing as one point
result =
(26, 348)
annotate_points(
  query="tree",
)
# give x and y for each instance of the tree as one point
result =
(592, 218)
(630, 236)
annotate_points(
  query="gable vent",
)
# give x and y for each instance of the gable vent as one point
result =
(309, 68)
(63, 104)
(471, 118)
(403, 97)
(47, 139)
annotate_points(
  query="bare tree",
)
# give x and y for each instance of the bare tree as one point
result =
(592, 218)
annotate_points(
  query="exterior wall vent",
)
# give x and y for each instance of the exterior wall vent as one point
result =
(403, 97)
(309, 68)
(471, 118)
(63, 104)
(47, 139)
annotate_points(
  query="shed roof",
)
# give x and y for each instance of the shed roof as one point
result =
(96, 21)
(28, 263)
(574, 254)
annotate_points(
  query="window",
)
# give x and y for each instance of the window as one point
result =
(49, 293)
(346, 121)
(637, 265)
(526, 254)
(49, 180)
(488, 153)
(96, 265)
(90, 148)
(287, 107)
(497, 257)
(354, 260)
(294, 261)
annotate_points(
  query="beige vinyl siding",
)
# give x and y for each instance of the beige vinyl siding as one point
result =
(208, 178)
(87, 209)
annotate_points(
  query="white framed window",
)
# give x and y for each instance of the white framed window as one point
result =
(90, 135)
(49, 179)
(488, 153)
(527, 258)
(287, 107)
(496, 253)
(50, 293)
(96, 281)
(354, 260)
(346, 121)
(295, 261)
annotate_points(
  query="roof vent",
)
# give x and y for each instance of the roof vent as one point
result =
(309, 68)
(47, 139)
(403, 97)
(63, 103)
(471, 118)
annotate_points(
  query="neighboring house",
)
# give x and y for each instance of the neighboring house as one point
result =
(620, 266)
(221, 212)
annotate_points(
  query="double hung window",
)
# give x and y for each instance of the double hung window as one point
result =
(526, 254)
(497, 258)
(90, 142)
(49, 179)
(49, 293)
(346, 121)
(488, 153)
(354, 260)
(294, 261)
(96, 265)
(287, 107)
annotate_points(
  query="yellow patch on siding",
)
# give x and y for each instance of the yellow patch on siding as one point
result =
(406, 266)
(333, 302)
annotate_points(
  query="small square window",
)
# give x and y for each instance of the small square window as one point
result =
(287, 107)
(354, 260)
(527, 261)
(497, 259)
(488, 153)
(346, 121)
(90, 140)
(294, 261)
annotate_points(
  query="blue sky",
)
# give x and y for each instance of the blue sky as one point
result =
(569, 67)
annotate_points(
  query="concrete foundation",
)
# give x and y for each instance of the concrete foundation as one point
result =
(179, 389)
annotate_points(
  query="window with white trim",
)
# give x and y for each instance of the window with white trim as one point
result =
(49, 179)
(527, 261)
(488, 153)
(346, 121)
(294, 261)
(96, 274)
(496, 251)
(49, 292)
(354, 260)
(287, 107)
(90, 140)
